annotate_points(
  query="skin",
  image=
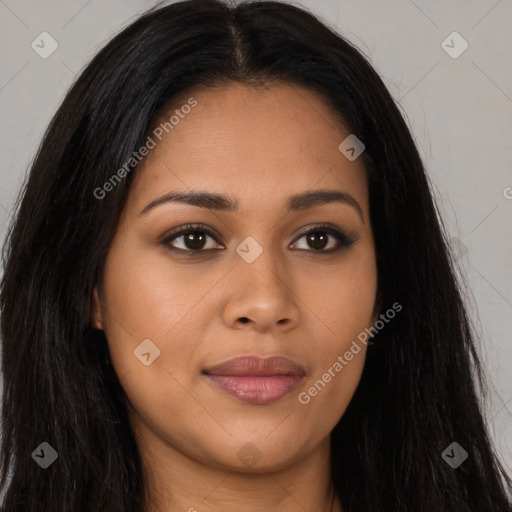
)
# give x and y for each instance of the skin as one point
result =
(260, 145)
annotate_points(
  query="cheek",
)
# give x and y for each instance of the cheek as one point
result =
(339, 354)
(138, 304)
(328, 393)
(342, 300)
(145, 299)
(144, 293)
(342, 296)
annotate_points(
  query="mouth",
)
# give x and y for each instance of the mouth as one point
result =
(256, 380)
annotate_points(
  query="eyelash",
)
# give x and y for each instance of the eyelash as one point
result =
(344, 240)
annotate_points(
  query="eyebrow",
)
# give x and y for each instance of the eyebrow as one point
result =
(221, 202)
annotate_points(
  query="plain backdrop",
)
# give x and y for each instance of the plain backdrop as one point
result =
(457, 101)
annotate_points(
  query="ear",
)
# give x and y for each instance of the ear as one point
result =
(97, 316)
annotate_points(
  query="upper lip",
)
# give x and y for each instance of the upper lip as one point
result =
(257, 366)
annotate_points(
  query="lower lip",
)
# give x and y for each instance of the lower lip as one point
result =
(257, 389)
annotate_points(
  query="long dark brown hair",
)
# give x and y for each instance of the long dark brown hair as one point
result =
(422, 384)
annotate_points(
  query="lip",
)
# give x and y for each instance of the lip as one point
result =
(257, 380)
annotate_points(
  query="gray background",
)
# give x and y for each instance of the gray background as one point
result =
(459, 110)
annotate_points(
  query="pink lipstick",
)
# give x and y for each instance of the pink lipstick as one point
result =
(256, 380)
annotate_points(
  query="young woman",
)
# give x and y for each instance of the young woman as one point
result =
(226, 288)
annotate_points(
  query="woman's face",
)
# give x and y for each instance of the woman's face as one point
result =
(244, 280)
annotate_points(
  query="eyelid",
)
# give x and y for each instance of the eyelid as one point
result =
(182, 230)
(344, 239)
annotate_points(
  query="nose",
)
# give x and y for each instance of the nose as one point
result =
(261, 296)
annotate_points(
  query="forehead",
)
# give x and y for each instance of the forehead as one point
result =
(258, 144)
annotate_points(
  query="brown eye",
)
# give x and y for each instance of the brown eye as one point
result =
(317, 239)
(191, 239)
(194, 240)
